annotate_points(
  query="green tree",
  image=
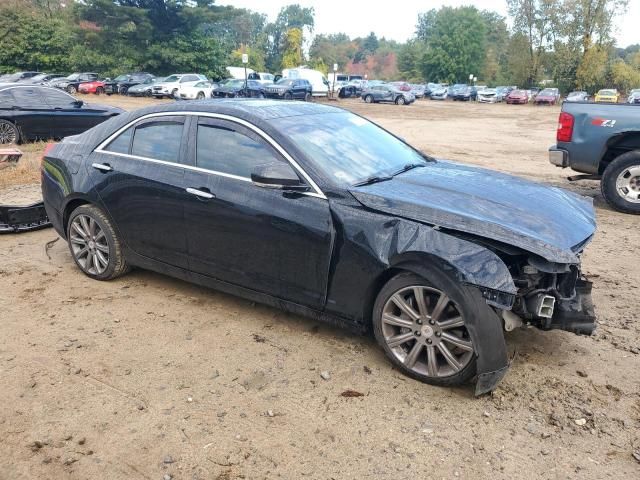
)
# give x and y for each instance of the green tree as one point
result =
(455, 45)
(291, 16)
(292, 55)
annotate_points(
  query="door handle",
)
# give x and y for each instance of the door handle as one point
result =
(200, 193)
(103, 167)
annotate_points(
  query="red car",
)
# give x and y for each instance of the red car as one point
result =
(517, 97)
(97, 87)
(402, 86)
(548, 96)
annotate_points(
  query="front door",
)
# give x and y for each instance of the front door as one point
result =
(140, 181)
(263, 239)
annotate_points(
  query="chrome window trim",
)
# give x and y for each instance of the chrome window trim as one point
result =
(101, 148)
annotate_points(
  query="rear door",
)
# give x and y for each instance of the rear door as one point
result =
(140, 181)
(262, 239)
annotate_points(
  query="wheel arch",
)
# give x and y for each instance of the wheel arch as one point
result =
(69, 207)
(618, 145)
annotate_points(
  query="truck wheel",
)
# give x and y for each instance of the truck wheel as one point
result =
(621, 183)
(421, 325)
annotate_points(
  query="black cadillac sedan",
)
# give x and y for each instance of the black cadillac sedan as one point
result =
(30, 112)
(320, 212)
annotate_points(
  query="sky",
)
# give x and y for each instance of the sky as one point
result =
(357, 19)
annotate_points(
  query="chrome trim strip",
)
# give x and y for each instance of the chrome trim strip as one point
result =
(100, 148)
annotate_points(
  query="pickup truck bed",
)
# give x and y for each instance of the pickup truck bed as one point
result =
(603, 141)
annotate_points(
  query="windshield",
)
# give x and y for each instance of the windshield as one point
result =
(284, 81)
(548, 91)
(234, 83)
(348, 148)
(73, 76)
(607, 92)
(575, 94)
(121, 78)
(172, 78)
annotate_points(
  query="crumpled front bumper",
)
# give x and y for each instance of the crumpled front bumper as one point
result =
(15, 219)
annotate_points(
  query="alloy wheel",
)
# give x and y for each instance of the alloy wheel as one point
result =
(8, 133)
(425, 330)
(628, 184)
(89, 245)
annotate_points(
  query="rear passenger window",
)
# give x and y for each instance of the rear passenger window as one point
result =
(223, 150)
(27, 97)
(158, 141)
(121, 143)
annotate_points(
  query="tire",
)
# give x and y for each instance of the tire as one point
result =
(368, 98)
(200, 96)
(307, 97)
(431, 337)
(288, 96)
(9, 133)
(99, 91)
(261, 95)
(148, 93)
(620, 183)
(174, 92)
(90, 231)
(400, 100)
(72, 90)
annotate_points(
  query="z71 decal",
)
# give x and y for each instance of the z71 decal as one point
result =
(602, 122)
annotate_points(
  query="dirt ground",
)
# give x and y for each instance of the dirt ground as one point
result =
(148, 377)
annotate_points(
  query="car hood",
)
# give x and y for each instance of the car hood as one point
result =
(547, 221)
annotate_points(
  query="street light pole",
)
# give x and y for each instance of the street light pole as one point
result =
(245, 60)
(333, 87)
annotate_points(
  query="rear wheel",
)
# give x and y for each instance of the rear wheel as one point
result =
(8, 132)
(620, 183)
(421, 325)
(307, 97)
(94, 244)
(72, 90)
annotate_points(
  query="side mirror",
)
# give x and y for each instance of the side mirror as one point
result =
(277, 175)
(78, 103)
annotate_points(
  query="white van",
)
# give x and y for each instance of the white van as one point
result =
(262, 77)
(238, 72)
(319, 83)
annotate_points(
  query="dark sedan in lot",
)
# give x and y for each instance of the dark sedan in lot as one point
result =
(465, 93)
(238, 88)
(72, 83)
(320, 212)
(30, 112)
(122, 83)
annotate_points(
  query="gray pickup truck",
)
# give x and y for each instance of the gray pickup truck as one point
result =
(602, 141)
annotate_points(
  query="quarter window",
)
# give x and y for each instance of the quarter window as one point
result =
(57, 98)
(121, 143)
(227, 151)
(158, 140)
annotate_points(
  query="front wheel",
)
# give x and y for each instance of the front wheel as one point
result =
(99, 91)
(72, 90)
(621, 183)
(307, 97)
(288, 96)
(200, 96)
(368, 99)
(94, 244)
(421, 326)
(400, 100)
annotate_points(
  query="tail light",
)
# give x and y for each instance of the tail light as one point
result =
(47, 149)
(565, 127)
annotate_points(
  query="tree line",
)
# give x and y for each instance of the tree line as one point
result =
(568, 43)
